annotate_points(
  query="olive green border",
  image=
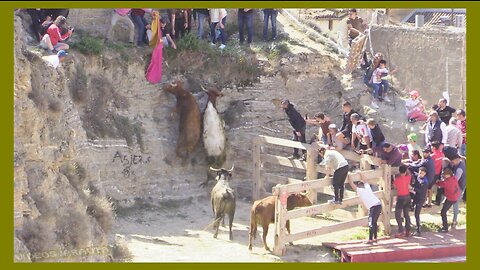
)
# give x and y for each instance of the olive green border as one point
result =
(6, 18)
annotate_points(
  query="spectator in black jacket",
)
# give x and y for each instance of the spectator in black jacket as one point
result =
(299, 126)
(345, 133)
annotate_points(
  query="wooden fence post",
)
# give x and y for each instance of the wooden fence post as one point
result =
(386, 202)
(280, 220)
(257, 179)
(312, 157)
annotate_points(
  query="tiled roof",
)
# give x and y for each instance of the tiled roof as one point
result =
(435, 16)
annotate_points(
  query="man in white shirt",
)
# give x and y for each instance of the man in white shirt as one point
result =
(372, 203)
(361, 132)
(454, 134)
(54, 60)
(334, 161)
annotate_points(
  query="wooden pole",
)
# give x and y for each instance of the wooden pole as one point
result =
(257, 179)
(312, 157)
(386, 202)
(280, 220)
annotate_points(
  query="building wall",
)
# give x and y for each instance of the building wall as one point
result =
(421, 58)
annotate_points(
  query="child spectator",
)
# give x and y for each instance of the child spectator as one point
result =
(51, 40)
(459, 170)
(415, 107)
(378, 83)
(412, 144)
(377, 135)
(332, 139)
(402, 184)
(420, 187)
(372, 203)
(452, 192)
(437, 156)
(324, 122)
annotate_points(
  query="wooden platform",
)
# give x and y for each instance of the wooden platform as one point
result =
(431, 247)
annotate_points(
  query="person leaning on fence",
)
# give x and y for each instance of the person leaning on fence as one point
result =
(299, 127)
(334, 161)
(372, 203)
(402, 184)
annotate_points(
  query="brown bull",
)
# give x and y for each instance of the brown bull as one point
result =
(190, 126)
(263, 213)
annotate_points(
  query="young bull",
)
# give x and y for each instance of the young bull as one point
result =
(190, 119)
(223, 199)
(263, 213)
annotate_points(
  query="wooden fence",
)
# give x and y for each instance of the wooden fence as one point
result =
(380, 176)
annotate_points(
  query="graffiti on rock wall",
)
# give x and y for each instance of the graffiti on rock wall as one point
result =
(130, 162)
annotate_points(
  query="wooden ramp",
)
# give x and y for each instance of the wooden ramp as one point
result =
(428, 247)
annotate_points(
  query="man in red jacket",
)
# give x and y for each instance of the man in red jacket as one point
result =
(452, 192)
(51, 40)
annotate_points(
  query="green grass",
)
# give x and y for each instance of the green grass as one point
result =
(89, 45)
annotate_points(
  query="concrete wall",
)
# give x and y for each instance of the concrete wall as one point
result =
(421, 58)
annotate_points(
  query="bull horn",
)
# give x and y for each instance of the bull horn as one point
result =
(203, 88)
(231, 170)
(215, 170)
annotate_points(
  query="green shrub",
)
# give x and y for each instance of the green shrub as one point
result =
(89, 45)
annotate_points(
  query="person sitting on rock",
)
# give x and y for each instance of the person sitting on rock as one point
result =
(56, 59)
(379, 83)
(414, 107)
(51, 40)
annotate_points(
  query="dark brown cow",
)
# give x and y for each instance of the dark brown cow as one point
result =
(190, 128)
(263, 213)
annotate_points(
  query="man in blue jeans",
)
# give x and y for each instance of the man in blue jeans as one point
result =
(202, 13)
(245, 15)
(269, 13)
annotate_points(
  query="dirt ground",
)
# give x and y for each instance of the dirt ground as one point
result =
(181, 233)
